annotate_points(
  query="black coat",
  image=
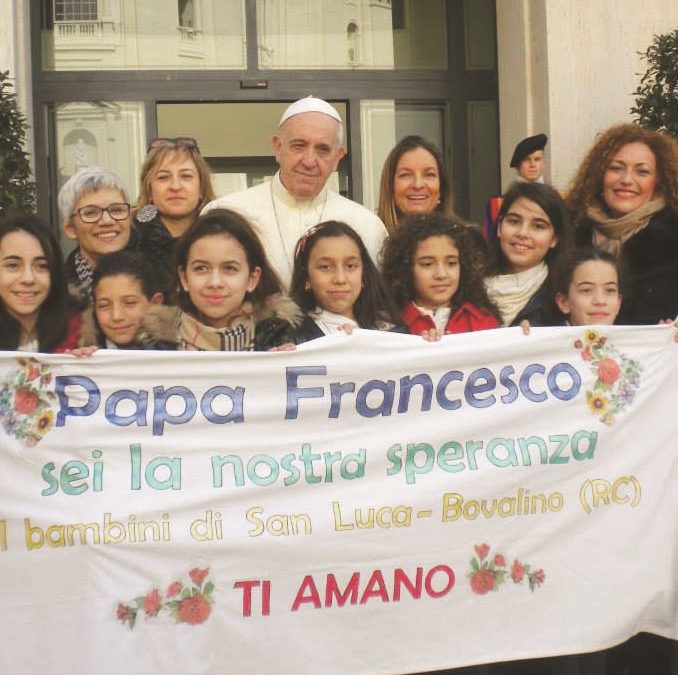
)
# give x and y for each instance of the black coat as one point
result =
(649, 270)
(157, 245)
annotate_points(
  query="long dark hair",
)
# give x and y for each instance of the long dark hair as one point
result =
(52, 323)
(552, 204)
(400, 251)
(374, 304)
(223, 221)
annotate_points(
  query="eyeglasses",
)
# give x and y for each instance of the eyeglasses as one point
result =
(93, 214)
(179, 142)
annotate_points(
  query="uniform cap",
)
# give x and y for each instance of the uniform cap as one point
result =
(526, 147)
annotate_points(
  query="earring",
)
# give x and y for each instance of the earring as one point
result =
(307, 286)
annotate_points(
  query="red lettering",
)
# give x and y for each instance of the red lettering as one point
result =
(307, 586)
(400, 578)
(376, 588)
(429, 581)
(332, 590)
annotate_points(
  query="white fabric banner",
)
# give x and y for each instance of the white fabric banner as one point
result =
(368, 504)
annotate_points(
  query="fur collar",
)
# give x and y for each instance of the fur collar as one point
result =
(161, 322)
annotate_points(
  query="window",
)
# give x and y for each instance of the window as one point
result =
(124, 71)
(75, 10)
(352, 38)
(187, 14)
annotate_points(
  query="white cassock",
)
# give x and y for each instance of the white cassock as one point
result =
(280, 220)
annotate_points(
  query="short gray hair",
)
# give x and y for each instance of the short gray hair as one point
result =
(89, 179)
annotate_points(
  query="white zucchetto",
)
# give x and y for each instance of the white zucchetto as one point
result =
(310, 104)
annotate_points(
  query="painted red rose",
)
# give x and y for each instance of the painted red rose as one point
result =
(482, 582)
(482, 550)
(25, 401)
(539, 576)
(198, 575)
(608, 371)
(122, 612)
(578, 344)
(517, 571)
(499, 560)
(586, 354)
(152, 603)
(173, 589)
(194, 610)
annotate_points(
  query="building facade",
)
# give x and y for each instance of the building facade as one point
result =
(99, 78)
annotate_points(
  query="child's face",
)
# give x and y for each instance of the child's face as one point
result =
(217, 277)
(24, 277)
(525, 235)
(593, 297)
(120, 304)
(335, 274)
(435, 272)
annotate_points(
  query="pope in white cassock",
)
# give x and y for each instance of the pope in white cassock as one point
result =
(308, 146)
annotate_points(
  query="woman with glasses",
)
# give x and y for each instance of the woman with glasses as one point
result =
(95, 212)
(175, 185)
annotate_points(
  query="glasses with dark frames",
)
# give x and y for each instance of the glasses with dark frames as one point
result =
(179, 142)
(93, 214)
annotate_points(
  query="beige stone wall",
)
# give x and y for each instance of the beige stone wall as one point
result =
(569, 68)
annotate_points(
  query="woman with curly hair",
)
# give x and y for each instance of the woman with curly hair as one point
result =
(434, 270)
(624, 199)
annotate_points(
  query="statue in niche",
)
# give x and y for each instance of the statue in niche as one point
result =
(80, 155)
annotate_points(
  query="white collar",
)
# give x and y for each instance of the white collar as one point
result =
(282, 194)
(440, 315)
(329, 322)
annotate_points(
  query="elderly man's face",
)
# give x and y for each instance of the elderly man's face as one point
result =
(308, 149)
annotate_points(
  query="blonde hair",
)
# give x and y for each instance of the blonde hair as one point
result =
(157, 156)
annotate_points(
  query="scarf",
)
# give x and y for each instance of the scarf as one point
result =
(197, 336)
(511, 292)
(84, 271)
(610, 233)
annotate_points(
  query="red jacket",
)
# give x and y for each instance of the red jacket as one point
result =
(72, 336)
(466, 319)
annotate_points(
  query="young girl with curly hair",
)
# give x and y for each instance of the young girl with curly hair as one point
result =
(434, 270)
